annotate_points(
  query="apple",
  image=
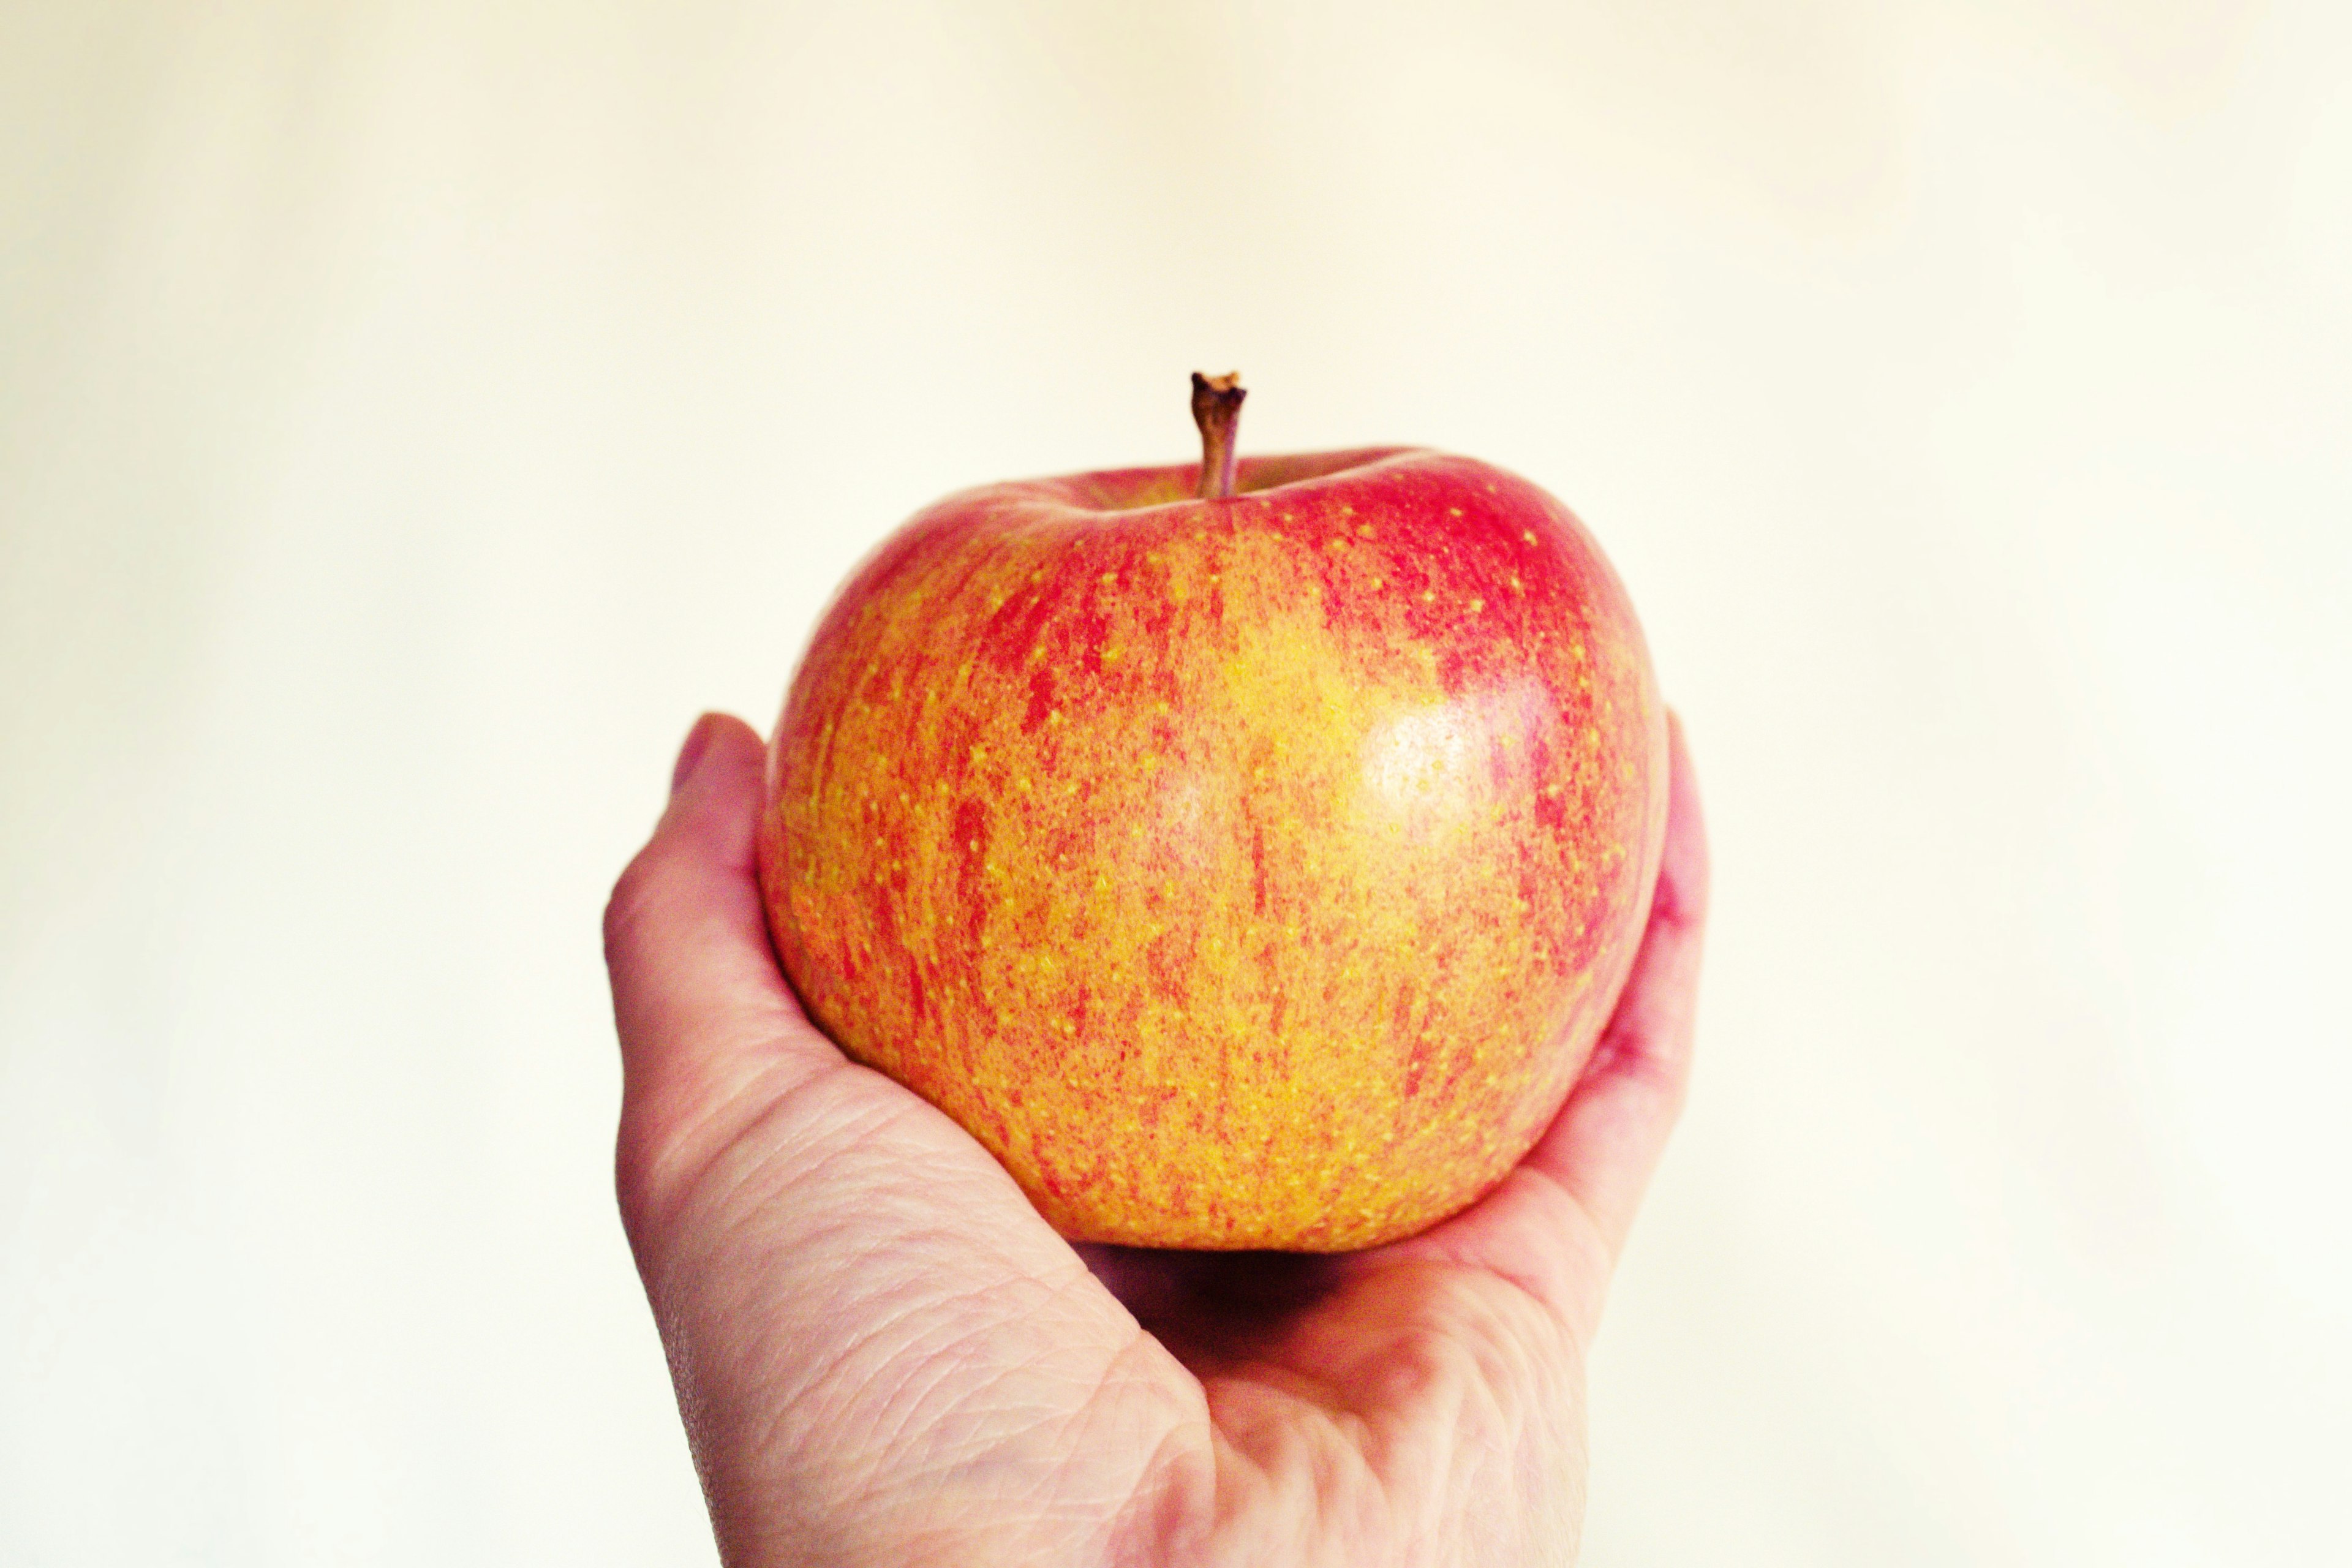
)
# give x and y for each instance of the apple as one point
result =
(1249, 854)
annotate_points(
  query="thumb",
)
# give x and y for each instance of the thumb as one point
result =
(704, 1014)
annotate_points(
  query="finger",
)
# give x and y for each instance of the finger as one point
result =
(702, 1010)
(859, 1305)
(1607, 1138)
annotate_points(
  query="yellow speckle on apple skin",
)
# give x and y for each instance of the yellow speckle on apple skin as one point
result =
(1234, 901)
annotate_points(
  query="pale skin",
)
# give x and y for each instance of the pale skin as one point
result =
(885, 1356)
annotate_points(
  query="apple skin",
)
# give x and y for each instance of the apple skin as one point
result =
(1256, 872)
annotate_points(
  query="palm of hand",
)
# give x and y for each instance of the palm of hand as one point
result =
(882, 1354)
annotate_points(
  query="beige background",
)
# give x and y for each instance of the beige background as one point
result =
(410, 414)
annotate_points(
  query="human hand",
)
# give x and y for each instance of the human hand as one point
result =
(885, 1356)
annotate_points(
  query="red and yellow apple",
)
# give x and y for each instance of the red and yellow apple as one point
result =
(1249, 871)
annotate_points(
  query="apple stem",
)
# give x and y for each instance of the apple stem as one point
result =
(1217, 410)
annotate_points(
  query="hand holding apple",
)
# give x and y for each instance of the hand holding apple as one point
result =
(884, 1354)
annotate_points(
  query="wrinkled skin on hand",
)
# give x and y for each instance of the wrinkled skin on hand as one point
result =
(884, 1355)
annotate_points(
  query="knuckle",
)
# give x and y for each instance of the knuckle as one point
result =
(637, 1162)
(638, 890)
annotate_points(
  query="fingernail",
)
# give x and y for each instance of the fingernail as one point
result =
(690, 755)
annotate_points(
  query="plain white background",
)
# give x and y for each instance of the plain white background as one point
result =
(412, 414)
